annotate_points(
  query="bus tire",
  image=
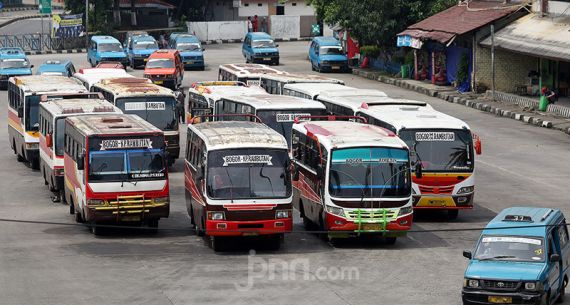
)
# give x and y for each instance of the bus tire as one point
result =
(43, 170)
(216, 243)
(95, 229)
(452, 214)
(199, 231)
(21, 157)
(390, 240)
(71, 208)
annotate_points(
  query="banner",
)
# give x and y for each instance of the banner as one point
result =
(67, 26)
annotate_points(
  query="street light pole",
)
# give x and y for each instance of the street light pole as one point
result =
(86, 24)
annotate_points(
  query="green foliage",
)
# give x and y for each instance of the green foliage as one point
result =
(370, 51)
(463, 69)
(97, 14)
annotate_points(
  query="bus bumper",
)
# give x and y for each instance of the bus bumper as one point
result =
(453, 202)
(127, 213)
(472, 297)
(393, 228)
(248, 228)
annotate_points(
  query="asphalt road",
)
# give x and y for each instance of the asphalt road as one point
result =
(521, 165)
(27, 26)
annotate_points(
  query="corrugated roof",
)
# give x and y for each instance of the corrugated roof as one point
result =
(459, 20)
(545, 37)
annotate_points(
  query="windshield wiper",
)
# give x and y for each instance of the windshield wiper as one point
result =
(231, 185)
(266, 177)
(497, 257)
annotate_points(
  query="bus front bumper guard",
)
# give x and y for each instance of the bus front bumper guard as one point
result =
(384, 223)
(248, 228)
(127, 209)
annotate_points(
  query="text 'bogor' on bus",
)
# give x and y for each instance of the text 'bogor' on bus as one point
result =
(115, 170)
(238, 181)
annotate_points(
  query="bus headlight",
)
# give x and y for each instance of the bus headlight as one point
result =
(471, 283)
(466, 190)
(95, 202)
(282, 214)
(216, 216)
(335, 211)
(160, 200)
(405, 211)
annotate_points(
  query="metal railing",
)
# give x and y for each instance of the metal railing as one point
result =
(41, 42)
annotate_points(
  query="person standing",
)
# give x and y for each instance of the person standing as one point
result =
(249, 24)
(255, 23)
(179, 94)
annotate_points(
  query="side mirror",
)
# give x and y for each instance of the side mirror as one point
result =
(81, 162)
(477, 145)
(467, 254)
(20, 112)
(320, 170)
(203, 49)
(418, 170)
(554, 258)
(49, 140)
(31, 66)
(277, 45)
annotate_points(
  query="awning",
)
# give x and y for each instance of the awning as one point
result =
(546, 37)
(457, 20)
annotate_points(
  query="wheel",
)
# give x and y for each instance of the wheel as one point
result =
(199, 231)
(390, 240)
(452, 214)
(216, 243)
(312, 66)
(95, 229)
(44, 174)
(20, 157)
(202, 68)
(71, 210)
(562, 294)
(545, 299)
(91, 63)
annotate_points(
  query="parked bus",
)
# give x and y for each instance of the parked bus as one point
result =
(90, 76)
(273, 83)
(52, 116)
(352, 178)
(443, 145)
(349, 102)
(312, 90)
(249, 74)
(202, 96)
(237, 181)
(276, 111)
(151, 102)
(24, 95)
(115, 170)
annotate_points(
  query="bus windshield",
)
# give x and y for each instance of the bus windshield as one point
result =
(59, 136)
(441, 150)
(248, 174)
(127, 165)
(282, 120)
(32, 113)
(369, 172)
(159, 111)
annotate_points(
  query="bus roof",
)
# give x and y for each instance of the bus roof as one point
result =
(302, 78)
(314, 89)
(414, 117)
(357, 99)
(342, 134)
(92, 76)
(111, 124)
(48, 84)
(238, 134)
(250, 69)
(132, 86)
(276, 102)
(525, 221)
(79, 106)
(218, 90)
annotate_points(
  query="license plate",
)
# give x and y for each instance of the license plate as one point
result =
(437, 202)
(131, 218)
(158, 82)
(267, 59)
(500, 300)
(372, 227)
(250, 233)
(189, 62)
(335, 67)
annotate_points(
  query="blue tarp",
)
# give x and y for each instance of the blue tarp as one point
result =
(453, 57)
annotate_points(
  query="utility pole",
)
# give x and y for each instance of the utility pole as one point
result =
(86, 24)
(493, 60)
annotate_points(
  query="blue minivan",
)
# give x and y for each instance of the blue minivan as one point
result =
(521, 257)
(106, 48)
(13, 62)
(190, 50)
(139, 49)
(259, 47)
(326, 54)
(56, 67)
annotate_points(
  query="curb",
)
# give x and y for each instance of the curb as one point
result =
(472, 102)
(70, 51)
(224, 41)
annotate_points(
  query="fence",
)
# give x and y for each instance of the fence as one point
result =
(39, 42)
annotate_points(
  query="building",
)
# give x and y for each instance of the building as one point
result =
(531, 52)
(445, 44)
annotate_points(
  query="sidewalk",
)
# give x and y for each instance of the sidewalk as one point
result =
(506, 105)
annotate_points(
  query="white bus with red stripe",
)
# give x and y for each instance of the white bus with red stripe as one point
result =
(115, 170)
(352, 178)
(24, 96)
(250, 74)
(52, 133)
(90, 76)
(237, 181)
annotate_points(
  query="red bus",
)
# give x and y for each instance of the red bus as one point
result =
(115, 170)
(237, 181)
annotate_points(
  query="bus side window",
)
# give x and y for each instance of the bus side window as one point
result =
(295, 151)
(324, 155)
